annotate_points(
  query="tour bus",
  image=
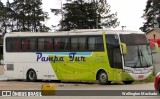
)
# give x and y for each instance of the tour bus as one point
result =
(78, 55)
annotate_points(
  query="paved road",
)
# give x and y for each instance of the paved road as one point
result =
(1, 70)
(22, 85)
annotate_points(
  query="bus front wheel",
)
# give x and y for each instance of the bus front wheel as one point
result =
(103, 78)
(31, 75)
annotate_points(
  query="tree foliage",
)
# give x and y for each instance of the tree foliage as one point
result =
(23, 15)
(5, 16)
(89, 14)
(151, 15)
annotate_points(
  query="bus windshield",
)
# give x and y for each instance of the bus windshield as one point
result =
(138, 50)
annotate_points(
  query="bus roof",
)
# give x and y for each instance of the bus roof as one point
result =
(74, 32)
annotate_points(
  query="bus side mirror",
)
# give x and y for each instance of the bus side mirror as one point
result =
(156, 49)
(124, 48)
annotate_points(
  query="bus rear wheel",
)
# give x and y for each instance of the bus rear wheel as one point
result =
(127, 82)
(102, 78)
(31, 75)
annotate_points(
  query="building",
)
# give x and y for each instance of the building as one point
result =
(154, 33)
(154, 36)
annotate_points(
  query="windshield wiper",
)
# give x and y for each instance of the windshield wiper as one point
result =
(144, 58)
(139, 59)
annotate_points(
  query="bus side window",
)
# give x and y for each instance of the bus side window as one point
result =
(61, 44)
(13, 44)
(74, 43)
(64, 44)
(48, 44)
(25, 44)
(82, 43)
(99, 44)
(32, 44)
(40, 44)
(45, 44)
(95, 43)
(17, 45)
(91, 43)
(57, 43)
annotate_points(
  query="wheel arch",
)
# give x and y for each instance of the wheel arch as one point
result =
(30, 69)
(100, 70)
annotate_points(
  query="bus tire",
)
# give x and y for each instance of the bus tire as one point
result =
(31, 75)
(102, 78)
(127, 82)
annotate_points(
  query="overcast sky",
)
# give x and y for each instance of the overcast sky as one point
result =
(129, 12)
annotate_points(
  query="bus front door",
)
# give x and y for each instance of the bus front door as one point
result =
(117, 64)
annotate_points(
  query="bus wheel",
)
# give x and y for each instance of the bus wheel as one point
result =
(31, 75)
(127, 82)
(103, 78)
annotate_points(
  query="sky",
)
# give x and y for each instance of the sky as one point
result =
(129, 12)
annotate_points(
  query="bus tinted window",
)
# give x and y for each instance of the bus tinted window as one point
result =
(134, 39)
(60, 44)
(112, 40)
(113, 49)
(95, 43)
(56, 44)
(74, 43)
(99, 43)
(28, 44)
(91, 43)
(82, 43)
(48, 44)
(45, 44)
(13, 44)
(78, 43)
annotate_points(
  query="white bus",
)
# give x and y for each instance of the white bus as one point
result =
(88, 55)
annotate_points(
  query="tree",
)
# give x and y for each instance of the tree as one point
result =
(81, 14)
(23, 15)
(5, 17)
(151, 15)
(1, 15)
(103, 11)
(29, 15)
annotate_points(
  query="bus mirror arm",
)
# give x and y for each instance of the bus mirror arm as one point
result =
(124, 48)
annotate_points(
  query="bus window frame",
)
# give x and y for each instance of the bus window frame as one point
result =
(36, 46)
(7, 44)
(52, 37)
